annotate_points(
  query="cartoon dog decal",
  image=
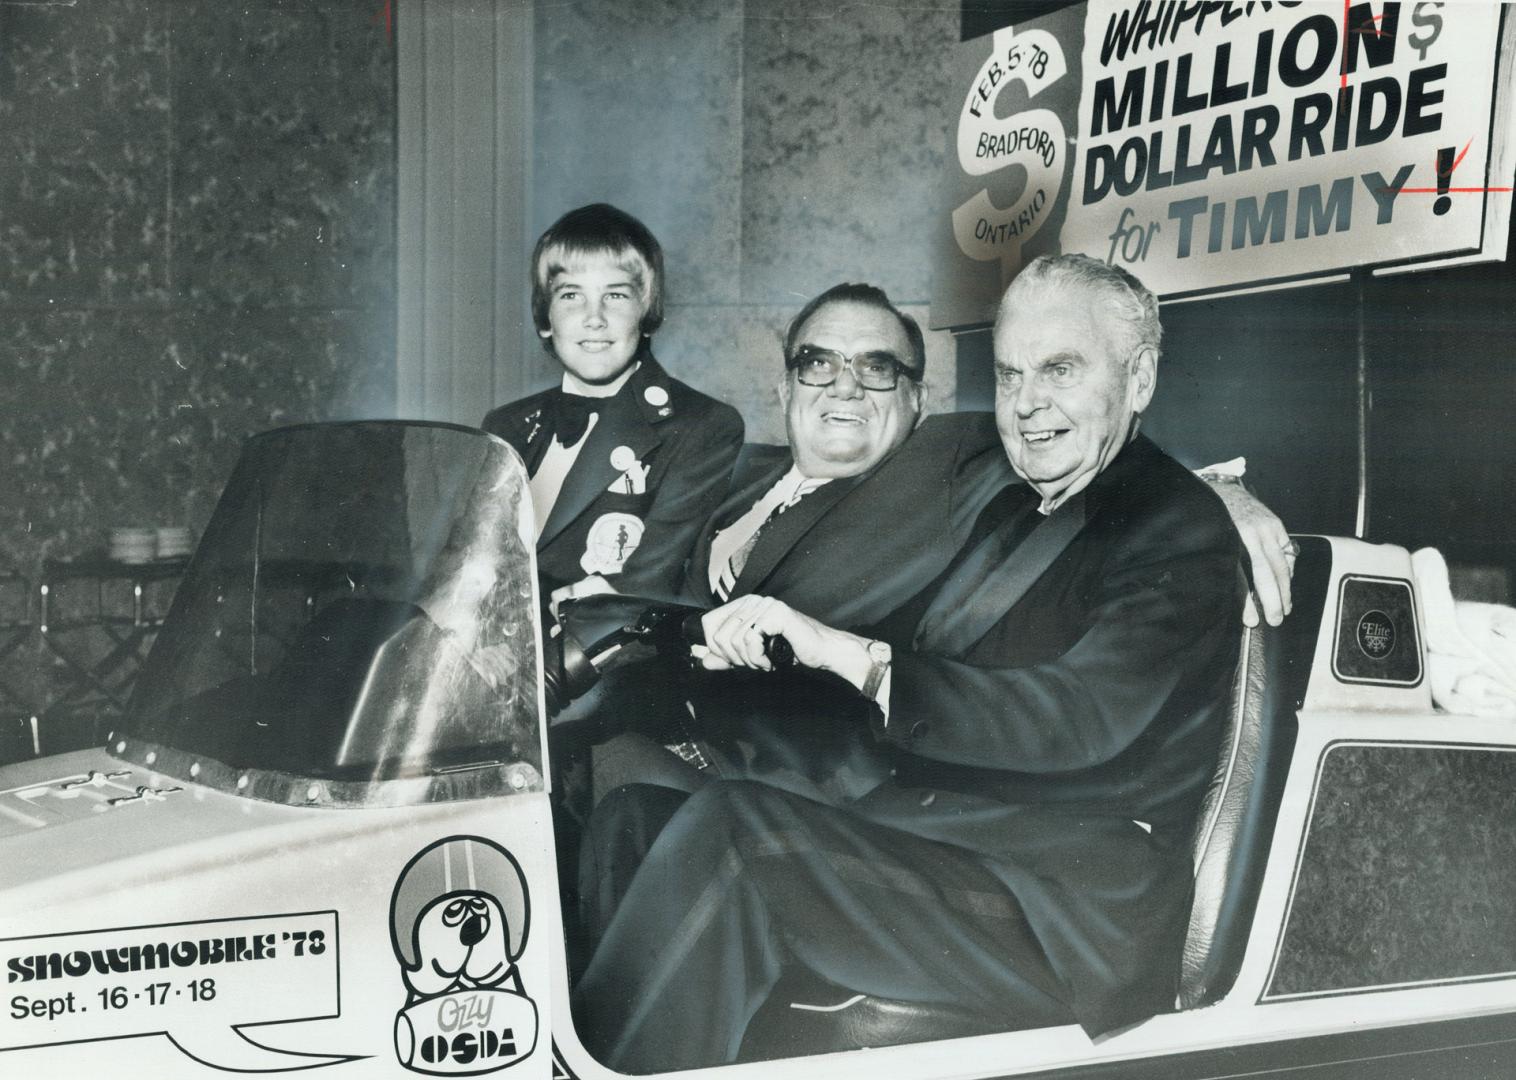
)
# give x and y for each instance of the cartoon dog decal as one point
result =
(458, 922)
(460, 944)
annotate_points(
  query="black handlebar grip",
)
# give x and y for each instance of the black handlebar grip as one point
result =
(779, 651)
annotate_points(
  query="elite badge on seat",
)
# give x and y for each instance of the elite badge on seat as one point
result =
(1376, 632)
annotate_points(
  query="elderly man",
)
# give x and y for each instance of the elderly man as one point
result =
(1053, 713)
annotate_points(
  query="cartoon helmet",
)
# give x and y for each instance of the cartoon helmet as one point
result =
(458, 864)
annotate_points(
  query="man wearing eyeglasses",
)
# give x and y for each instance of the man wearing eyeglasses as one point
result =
(865, 503)
(852, 394)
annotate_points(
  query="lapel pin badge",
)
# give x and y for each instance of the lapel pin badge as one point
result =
(656, 396)
(611, 540)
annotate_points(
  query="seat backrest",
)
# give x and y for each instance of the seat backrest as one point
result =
(1237, 815)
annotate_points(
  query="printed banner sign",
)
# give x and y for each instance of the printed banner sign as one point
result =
(1215, 146)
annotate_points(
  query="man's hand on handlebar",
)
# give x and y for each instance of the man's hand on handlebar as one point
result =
(736, 635)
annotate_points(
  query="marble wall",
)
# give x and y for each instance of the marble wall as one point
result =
(196, 243)
(775, 147)
(197, 200)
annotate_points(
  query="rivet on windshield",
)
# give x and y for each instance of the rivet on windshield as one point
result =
(526, 590)
(121, 746)
(518, 781)
(509, 629)
(313, 793)
(152, 757)
(195, 768)
(242, 781)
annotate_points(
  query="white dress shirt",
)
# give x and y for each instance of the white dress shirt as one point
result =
(547, 482)
(786, 492)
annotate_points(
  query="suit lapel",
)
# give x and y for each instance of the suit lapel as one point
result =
(784, 532)
(758, 479)
(975, 597)
(742, 499)
(995, 575)
(621, 423)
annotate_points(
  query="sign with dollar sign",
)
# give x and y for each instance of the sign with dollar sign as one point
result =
(1427, 28)
(1215, 147)
(1032, 140)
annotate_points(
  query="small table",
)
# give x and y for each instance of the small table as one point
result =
(18, 714)
(101, 643)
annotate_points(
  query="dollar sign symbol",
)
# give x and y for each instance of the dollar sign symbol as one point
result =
(1431, 23)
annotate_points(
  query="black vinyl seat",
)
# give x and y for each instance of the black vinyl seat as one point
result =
(1241, 804)
(807, 1015)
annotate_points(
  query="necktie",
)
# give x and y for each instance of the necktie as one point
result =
(564, 420)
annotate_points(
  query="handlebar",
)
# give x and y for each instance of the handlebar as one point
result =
(599, 633)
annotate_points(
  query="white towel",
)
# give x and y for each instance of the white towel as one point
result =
(1471, 647)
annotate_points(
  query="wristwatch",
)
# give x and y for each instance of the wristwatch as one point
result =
(880, 656)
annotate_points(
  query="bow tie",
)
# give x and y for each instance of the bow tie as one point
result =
(567, 415)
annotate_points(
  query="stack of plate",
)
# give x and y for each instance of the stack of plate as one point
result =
(173, 543)
(131, 545)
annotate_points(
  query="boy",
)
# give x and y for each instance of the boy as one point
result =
(626, 463)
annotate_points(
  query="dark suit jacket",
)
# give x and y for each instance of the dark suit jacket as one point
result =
(688, 440)
(1095, 702)
(858, 547)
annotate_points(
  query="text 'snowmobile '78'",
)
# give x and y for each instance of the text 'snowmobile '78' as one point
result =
(322, 836)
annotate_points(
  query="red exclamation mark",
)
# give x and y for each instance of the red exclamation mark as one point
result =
(1444, 180)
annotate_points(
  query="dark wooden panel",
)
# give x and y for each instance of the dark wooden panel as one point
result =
(1444, 392)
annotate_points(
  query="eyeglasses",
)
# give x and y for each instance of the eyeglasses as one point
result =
(815, 366)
